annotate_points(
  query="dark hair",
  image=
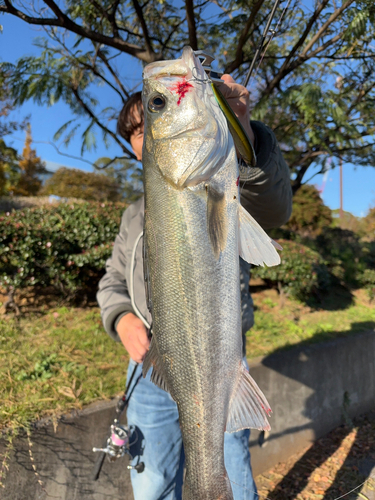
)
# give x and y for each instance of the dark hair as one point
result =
(128, 120)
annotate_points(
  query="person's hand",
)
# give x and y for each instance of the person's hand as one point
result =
(238, 98)
(133, 335)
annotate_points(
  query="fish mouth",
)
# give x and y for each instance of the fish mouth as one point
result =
(187, 66)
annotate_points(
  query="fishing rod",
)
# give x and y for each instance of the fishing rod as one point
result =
(262, 44)
(118, 443)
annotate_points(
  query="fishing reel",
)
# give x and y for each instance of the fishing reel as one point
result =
(118, 445)
(119, 441)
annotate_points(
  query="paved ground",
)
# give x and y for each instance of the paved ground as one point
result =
(329, 469)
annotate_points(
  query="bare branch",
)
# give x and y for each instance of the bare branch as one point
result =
(139, 13)
(113, 73)
(112, 17)
(63, 21)
(173, 30)
(94, 69)
(282, 71)
(96, 120)
(191, 24)
(238, 60)
(113, 160)
(301, 59)
(323, 29)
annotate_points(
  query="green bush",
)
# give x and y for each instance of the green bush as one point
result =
(369, 254)
(301, 273)
(343, 253)
(64, 246)
(368, 282)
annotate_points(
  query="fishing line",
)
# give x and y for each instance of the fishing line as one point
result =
(267, 498)
(196, 78)
(356, 488)
(131, 284)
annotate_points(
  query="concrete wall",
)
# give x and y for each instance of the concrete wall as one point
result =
(305, 387)
(64, 461)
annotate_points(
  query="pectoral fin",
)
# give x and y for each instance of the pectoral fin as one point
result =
(217, 220)
(248, 408)
(153, 360)
(255, 246)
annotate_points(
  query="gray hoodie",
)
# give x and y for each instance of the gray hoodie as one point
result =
(266, 195)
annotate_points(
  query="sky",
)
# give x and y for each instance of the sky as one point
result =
(16, 41)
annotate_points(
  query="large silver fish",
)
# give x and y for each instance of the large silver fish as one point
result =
(195, 230)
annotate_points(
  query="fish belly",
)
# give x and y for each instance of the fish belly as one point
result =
(196, 324)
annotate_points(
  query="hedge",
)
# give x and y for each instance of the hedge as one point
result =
(301, 273)
(64, 246)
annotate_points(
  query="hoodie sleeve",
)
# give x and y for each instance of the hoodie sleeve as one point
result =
(113, 294)
(267, 194)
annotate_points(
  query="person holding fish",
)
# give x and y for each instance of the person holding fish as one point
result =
(199, 238)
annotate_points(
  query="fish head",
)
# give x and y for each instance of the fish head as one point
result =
(186, 134)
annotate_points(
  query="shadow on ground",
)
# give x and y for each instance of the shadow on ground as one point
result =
(356, 468)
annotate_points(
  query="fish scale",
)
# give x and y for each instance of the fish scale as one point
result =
(192, 240)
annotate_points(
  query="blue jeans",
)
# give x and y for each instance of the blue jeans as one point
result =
(157, 442)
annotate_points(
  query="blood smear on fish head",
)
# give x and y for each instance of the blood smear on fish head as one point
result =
(181, 88)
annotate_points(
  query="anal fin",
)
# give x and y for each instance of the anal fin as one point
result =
(249, 407)
(153, 360)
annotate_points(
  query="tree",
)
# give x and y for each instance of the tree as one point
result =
(317, 45)
(9, 168)
(31, 166)
(125, 173)
(309, 214)
(74, 183)
(7, 126)
(368, 225)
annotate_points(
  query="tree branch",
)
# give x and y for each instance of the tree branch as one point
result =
(173, 30)
(103, 127)
(282, 71)
(114, 74)
(142, 21)
(65, 22)
(191, 24)
(112, 17)
(296, 184)
(238, 59)
(322, 30)
(93, 68)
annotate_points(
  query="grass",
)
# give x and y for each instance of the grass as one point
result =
(279, 327)
(62, 359)
(56, 362)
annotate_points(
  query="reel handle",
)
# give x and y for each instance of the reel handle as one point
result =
(98, 464)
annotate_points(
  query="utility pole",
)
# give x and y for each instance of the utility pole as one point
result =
(338, 85)
(341, 197)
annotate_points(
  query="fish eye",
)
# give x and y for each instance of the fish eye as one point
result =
(156, 103)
